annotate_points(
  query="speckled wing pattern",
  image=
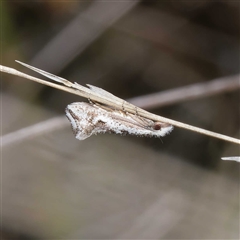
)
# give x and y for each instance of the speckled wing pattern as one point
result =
(90, 119)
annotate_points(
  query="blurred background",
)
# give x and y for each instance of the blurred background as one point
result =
(113, 187)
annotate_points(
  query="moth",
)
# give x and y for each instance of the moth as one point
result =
(88, 119)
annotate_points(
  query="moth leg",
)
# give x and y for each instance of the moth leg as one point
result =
(136, 109)
(90, 101)
(107, 108)
(136, 114)
(123, 108)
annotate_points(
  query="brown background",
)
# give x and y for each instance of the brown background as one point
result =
(113, 187)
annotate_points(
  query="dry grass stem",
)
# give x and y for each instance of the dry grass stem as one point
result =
(199, 90)
(103, 97)
(237, 159)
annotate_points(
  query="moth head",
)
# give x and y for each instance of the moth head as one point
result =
(77, 115)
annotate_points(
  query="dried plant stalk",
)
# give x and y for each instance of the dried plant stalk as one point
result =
(236, 159)
(105, 98)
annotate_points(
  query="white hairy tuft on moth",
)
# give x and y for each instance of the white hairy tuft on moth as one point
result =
(88, 119)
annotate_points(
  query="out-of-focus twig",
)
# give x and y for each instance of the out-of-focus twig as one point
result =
(199, 90)
(116, 103)
(80, 33)
(177, 33)
(33, 130)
